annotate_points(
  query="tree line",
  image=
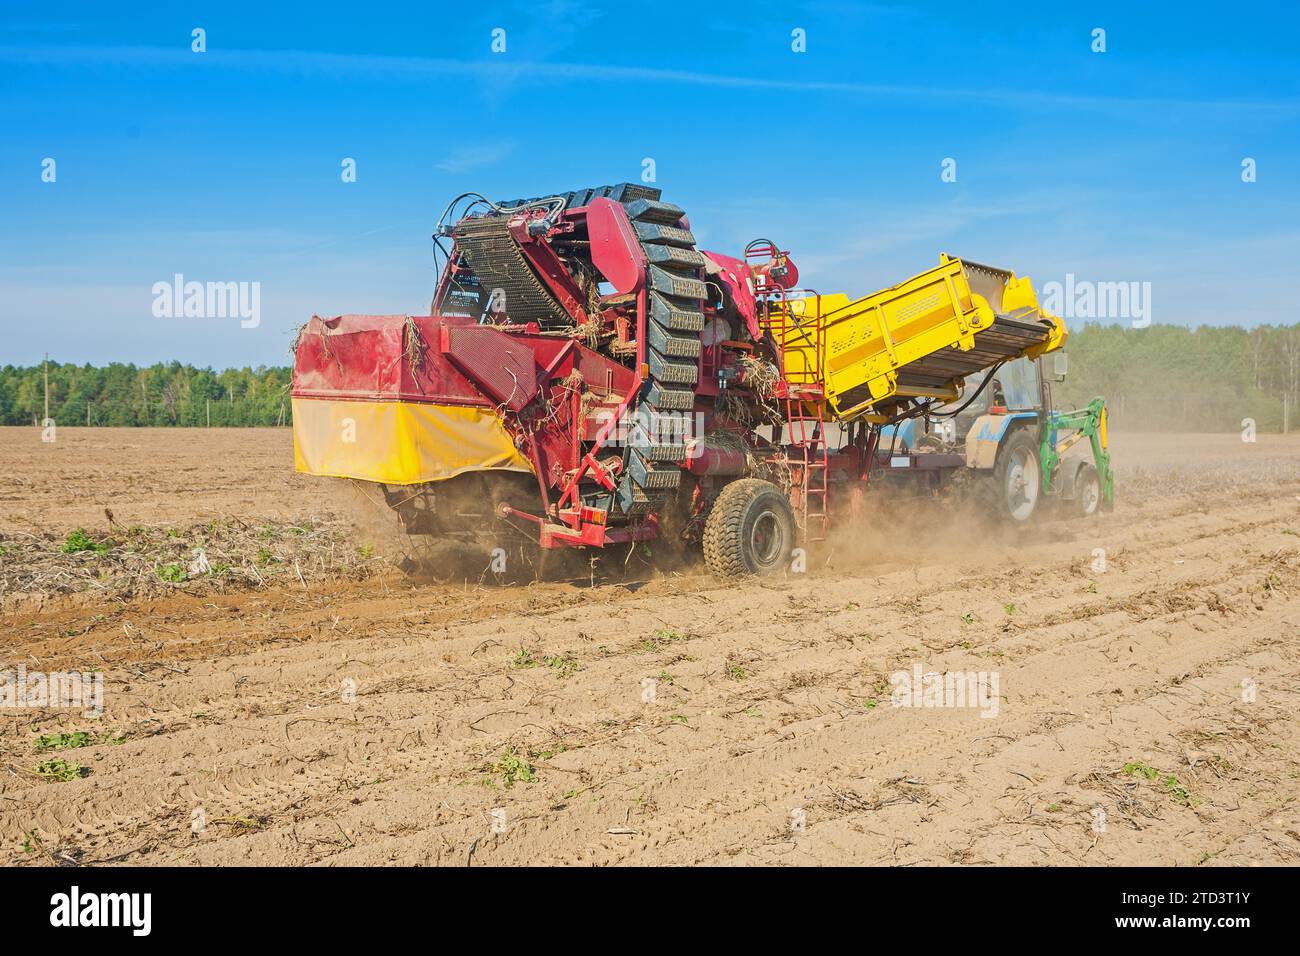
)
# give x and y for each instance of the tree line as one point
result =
(1160, 378)
(168, 394)
(1172, 378)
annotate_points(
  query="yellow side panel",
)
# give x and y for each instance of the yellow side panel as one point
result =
(863, 345)
(865, 341)
(399, 443)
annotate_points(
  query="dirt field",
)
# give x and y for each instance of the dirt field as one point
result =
(1146, 714)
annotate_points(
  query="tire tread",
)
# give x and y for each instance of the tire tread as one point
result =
(722, 529)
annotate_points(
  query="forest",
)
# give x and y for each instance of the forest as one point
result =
(169, 394)
(1172, 378)
(1160, 378)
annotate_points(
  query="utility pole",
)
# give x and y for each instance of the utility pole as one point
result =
(45, 368)
(208, 401)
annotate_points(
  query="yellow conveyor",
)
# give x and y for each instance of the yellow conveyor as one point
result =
(919, 339)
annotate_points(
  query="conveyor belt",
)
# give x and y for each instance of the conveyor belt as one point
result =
(1005, 339)
(498, 263)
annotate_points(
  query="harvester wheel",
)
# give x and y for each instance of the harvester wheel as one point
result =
(1016, 479)
(1087, 491)
(750, 529)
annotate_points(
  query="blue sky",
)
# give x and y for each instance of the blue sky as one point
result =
(225, 165)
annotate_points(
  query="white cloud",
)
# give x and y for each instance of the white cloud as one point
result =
(494, 72)
(463, 159)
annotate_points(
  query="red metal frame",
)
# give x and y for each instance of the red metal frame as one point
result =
(611, 211)
(610, 216)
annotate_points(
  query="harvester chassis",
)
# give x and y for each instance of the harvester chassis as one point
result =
(582, 345)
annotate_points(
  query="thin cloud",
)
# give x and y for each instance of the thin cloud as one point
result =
(351, 64)
(467, 158)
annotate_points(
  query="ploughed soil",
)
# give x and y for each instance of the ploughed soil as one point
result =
(299, 700)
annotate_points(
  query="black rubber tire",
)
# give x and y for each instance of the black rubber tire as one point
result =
(750, 530)
(1087, 491)
(1021, 446)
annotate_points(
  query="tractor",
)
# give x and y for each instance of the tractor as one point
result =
(1013, 442)
(1019, 441)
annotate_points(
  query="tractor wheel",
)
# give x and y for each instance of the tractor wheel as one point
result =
(1016, 479)
(1087, 491)
(750, 530)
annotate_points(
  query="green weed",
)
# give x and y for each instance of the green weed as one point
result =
(60, 770)
(78, 541)
(514, 769)
(564, 665)
(172, 572)
(1139, 769)
(661, 639)
(78, 738)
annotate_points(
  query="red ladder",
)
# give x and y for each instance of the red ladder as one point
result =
(807, 433)
(800, 388)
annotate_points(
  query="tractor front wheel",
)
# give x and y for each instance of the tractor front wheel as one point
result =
(750, 530)
(1087, 491)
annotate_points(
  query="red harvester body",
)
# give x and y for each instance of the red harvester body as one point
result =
(590, 378)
